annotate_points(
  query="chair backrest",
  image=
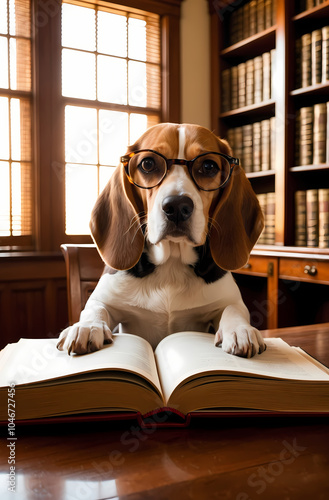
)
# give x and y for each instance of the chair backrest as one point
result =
(84, 267)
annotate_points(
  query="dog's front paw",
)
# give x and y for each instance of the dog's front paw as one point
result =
(244, 341)
(84, 337)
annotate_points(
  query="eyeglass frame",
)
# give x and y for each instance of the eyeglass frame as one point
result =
(169, 163)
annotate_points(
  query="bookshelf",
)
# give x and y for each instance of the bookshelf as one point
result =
(286, 104)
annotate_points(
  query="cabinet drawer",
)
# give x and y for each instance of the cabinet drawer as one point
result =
(304, 270)
(256, 266)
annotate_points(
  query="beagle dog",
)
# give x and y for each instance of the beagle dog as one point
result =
(177, 215)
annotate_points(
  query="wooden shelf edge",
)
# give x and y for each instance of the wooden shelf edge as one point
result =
(313, 13)
(309, 168)
(288, 251)
(260, 174)
(311, 90)
(257, 108)
(243, 47)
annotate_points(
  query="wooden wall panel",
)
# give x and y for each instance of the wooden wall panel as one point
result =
(33, 297)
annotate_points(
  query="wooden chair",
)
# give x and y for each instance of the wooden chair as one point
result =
(84, 267)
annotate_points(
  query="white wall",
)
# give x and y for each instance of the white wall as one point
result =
(195, 62)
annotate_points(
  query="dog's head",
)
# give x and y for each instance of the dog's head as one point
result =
(155, 194)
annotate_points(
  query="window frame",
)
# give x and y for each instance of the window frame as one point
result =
(22, 241)
(49, 107)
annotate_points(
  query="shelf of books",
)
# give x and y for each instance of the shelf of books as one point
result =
(271, 90)
(270, 100)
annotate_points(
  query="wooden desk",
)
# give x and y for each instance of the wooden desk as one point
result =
(238, 459)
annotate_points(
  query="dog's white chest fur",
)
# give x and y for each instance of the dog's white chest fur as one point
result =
(170, 299)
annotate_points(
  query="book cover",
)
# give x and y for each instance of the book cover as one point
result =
(325, 54)
(300, 218)
(256, 147)
(312, 217)
(306, 59)
(186, 373)
(323, 195)
(316, 56)
(265, 144)
(319, 133)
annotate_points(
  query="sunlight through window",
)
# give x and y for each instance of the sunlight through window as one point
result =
(111, 89)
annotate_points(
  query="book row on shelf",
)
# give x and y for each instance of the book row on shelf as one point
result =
(253, 17)
(254, 145)
(308, 4)
(312, 58)
(312, 218)
(312, 135)
(249, 82)
(267, 204)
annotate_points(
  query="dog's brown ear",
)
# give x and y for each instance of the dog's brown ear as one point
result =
(236, 224)
(115, 223)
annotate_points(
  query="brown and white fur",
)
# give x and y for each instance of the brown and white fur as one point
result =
(163, 278)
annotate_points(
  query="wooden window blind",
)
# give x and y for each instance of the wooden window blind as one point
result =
(111, 90)
(16, 215)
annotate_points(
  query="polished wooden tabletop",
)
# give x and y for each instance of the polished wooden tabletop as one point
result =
(226, 458)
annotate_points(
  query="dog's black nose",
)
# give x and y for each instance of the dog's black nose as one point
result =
(177, 208)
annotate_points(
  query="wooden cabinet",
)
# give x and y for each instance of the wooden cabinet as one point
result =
(280, 277)
(295, 287)
(33, 296)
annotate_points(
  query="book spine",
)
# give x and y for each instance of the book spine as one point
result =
(325, 54)
(306, 56)
(262, 202)
(298, 75)
(258, 79)
(319, 133)
(249, 82)
(253, 17)
(256, 146)
(226, 90)
(246, 20)
(248, 147)
(312, 218)
(270, 218)
(265, 145)
(273, 73)
(310, 4)
(266, 63)
(300, 218)
(306, 136)
(323, 218)
(260, 15)
(297, 137)
(241, 85)
(274, 8)
(238, 144)
(327, 135)
(316, 56)
(236, 26)
(273, 142)
(268, 13)
(234, 87)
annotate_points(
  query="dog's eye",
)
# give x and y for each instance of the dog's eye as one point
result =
(147, 165)
(209, 168)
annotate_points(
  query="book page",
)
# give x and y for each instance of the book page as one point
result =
(187, 354)
(36, 360)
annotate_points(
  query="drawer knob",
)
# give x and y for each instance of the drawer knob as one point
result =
(311, 270)
(247, 266)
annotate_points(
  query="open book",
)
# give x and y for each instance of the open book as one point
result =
(186, 373)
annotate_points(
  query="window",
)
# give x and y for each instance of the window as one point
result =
(15, 123)
(111, 88)
(79, 81)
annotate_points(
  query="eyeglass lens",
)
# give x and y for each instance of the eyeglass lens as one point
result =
(147, 169)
